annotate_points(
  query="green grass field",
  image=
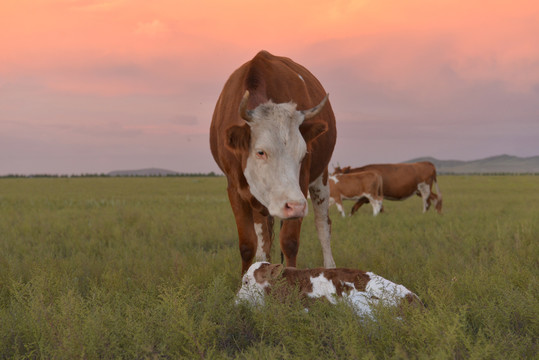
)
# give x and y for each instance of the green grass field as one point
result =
(139, 268)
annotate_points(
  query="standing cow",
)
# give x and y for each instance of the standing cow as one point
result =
(402, 181)
(366, 185)
(272, 154)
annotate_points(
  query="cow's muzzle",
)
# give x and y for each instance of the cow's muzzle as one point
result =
(294, 209)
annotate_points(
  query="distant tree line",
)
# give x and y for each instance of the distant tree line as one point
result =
(210, 174)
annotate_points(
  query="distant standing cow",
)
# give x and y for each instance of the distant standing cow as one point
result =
(354, 186)
(402, 181)
(272, 154)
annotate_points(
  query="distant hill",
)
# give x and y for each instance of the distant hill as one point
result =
(143, 172)
(490, 165)
(501, 164)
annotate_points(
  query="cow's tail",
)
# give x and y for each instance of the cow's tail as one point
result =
(438, 195)
(381, 193)
(282, 255)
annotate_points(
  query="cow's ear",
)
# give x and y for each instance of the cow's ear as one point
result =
(310, 130)
(238, 137)
(275, 270)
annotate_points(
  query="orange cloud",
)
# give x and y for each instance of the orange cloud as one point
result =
(151, 28)
(393, 42)
(94, 5)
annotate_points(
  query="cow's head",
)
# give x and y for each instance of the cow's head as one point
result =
(273, 143)
(255, 282)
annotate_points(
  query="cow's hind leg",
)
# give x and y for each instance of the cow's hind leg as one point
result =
(424, 191)
(376, 204)
(359, 204)
(319, 190)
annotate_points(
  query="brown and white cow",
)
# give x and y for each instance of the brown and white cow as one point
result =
(355, 186)
(402, 181)
(359, 288)
(272, 134)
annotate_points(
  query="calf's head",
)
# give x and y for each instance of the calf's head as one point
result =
(272, 145)
(256, 281)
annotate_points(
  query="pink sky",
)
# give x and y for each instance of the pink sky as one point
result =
(95, 86)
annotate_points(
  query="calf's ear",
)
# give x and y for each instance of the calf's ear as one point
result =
(275, 270)
(238, 137)
(310, 130)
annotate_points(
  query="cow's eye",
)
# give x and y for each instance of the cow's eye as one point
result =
(261, 154)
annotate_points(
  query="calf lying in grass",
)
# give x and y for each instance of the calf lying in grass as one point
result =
(360, 289)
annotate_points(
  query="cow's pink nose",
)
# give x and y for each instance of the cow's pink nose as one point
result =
(295, 209)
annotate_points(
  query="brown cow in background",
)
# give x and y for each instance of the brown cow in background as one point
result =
(402, 181)
(361, 186)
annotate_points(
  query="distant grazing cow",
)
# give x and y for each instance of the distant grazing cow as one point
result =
(402, 181)
(354, 186)
(361, 289)
(272, 153)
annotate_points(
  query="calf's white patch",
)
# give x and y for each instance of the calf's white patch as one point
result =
(388, 292)
(323, 287)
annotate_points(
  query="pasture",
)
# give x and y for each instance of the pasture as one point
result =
(148, 268)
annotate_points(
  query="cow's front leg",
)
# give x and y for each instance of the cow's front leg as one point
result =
(319, 190)
(340, 207)
(246, 231)
(263, 226)
(289, 239)
(358, 204)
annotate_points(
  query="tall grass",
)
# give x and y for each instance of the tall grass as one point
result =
(148, 268)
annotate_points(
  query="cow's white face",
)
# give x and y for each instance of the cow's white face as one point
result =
(274, 159)
(273, 143)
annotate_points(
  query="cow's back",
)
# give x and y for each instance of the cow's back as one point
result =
(425, 170)
(398, 179)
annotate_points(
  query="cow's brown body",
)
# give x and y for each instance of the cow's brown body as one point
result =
(402, 181)
(279, 79)
(357, 186)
